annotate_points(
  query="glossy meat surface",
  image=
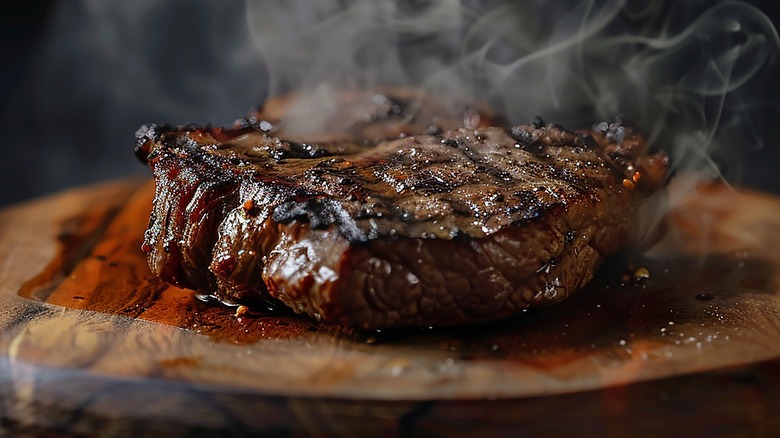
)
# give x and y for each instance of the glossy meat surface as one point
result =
(462, 226)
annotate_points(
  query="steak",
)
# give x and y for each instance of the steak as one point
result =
(445, 228)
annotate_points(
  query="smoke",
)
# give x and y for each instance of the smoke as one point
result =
(689, 74)
(696, 76)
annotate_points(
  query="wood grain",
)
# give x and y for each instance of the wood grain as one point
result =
(105, 339)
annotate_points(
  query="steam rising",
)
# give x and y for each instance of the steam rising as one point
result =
(692, 86)
(691, 75)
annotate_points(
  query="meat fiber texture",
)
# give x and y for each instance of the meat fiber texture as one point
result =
(441, 228)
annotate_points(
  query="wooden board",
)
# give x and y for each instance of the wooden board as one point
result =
(89, 337)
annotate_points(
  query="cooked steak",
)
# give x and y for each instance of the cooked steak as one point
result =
(455, 227)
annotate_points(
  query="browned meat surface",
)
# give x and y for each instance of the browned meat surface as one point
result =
(349, 120)
(461, 226)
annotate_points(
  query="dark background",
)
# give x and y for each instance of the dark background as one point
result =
(73, 139)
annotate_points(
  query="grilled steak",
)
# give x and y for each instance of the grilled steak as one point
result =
(455, 227)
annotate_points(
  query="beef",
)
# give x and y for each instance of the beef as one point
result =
(438, 229)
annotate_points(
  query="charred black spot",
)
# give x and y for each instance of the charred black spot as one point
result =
(539, 123)
(313, 211)
(238, 161)
(570, 177)
(302, 194)
(525, 139)
(451, 142)
(320, 213)
(499, 174)
(428, 183)
(314, 172)
(330, 162)
(298, 150)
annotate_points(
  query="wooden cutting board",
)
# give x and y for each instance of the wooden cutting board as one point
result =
(90, 341)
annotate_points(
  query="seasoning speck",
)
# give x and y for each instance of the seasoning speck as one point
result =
(241, 310)
(641, 274)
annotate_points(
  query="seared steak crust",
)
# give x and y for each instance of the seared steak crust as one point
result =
(345, 120)
(462, 226)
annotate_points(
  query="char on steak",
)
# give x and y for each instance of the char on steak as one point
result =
(345, 120)
(444, 228)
